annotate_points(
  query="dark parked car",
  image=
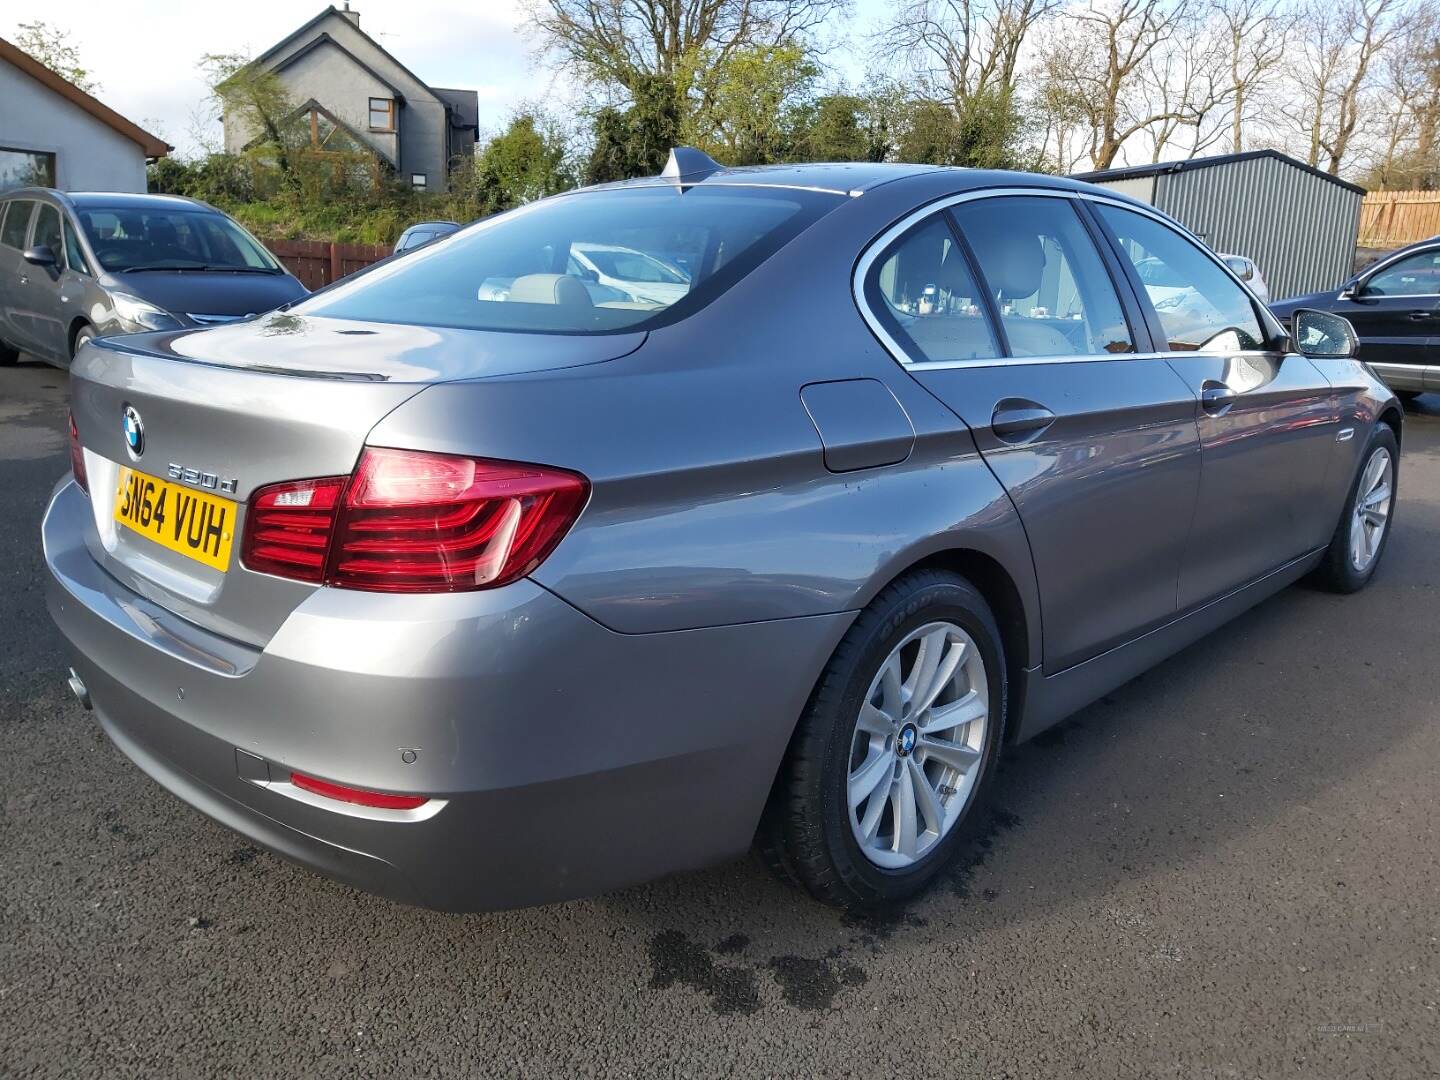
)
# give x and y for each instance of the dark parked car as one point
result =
(423, 233)
(1394, 305)
(481, 597)
(74, 266)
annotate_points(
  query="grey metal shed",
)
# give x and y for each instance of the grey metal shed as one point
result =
(1299, 224)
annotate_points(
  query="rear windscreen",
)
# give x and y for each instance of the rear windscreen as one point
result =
(592, 262)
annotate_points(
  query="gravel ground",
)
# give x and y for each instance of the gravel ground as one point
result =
(1228, 868)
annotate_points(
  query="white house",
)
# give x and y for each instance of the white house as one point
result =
(54, 134)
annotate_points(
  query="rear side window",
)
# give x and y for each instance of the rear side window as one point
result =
(922, 291)
(17, 219)
(593, 262)
(47, 231)
(1050, 285)
(1195, 300)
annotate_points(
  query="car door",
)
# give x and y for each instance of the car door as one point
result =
(43, 294)
(15, 328)
(1004, 308)
(1395, 309)
(1267, 419)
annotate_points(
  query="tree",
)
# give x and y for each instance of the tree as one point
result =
(1186, 85)
(257, 103)
(526, 161)
(625, 48)
(984, 133)
(1095, 68)
(962, 47)
(1335, 58)
(758, 95)
(1252, 34)
(844, 127)
(53, 48)
(635, 141)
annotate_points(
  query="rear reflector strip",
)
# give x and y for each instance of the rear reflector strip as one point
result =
(77, 456)
(359, 796)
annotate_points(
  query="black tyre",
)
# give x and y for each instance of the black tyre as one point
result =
(1364, 528)
(1407, 396)
(911, 708)
(8, 356)
(84, 334)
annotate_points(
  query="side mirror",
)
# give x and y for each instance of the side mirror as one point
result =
(1323, 334)
(40, 255)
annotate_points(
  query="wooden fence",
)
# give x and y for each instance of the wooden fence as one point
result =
(318, 262)
(1391, 219)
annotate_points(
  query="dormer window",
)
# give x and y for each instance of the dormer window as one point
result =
(382, 114)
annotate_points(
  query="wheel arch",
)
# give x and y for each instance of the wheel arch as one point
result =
(1018, 627)
(1394, 418)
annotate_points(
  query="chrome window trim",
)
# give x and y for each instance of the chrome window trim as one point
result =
(898, 353)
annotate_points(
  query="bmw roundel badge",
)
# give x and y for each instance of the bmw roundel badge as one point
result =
(134, 431)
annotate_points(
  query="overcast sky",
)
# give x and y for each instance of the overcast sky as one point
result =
(144, 53)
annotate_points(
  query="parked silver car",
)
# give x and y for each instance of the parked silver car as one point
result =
(74, 266)
(482, 602)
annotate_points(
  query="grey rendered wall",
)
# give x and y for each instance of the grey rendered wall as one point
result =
(334, 80)
(89, 155)
(1299, 228)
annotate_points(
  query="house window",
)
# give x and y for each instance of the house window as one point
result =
(382, 114)
(25, 168)
(417, 181)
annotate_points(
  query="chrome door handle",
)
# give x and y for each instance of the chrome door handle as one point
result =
(1216, 397)
(1015, 419)
(1421, 316)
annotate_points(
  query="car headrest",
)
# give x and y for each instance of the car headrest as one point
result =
(1013, 262)
(550, 289)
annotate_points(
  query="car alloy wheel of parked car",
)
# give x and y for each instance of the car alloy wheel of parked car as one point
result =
(902, 466)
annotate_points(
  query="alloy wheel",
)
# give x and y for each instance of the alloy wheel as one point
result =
(917, 746)
(1371, 514)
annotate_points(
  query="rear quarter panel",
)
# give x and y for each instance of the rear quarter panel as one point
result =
(711, 500)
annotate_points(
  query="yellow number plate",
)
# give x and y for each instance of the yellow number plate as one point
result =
(197, 525)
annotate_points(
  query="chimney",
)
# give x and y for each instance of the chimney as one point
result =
(353, 16)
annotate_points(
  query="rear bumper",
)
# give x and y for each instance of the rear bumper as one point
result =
(1417, 377)
(564, 759)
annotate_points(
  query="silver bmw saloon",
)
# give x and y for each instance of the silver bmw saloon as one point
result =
(476, 582)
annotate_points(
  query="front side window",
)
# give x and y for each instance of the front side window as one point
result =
(922, 291)
(1414, 275)
(25, 168)
(526, 269)
(382, 114)
(125, 239)
(47, 231)
(1050, 285)
(1195, 300)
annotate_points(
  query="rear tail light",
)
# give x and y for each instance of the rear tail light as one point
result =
(408, 521)
(288, 528)
(77, 456)
(358, 796)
